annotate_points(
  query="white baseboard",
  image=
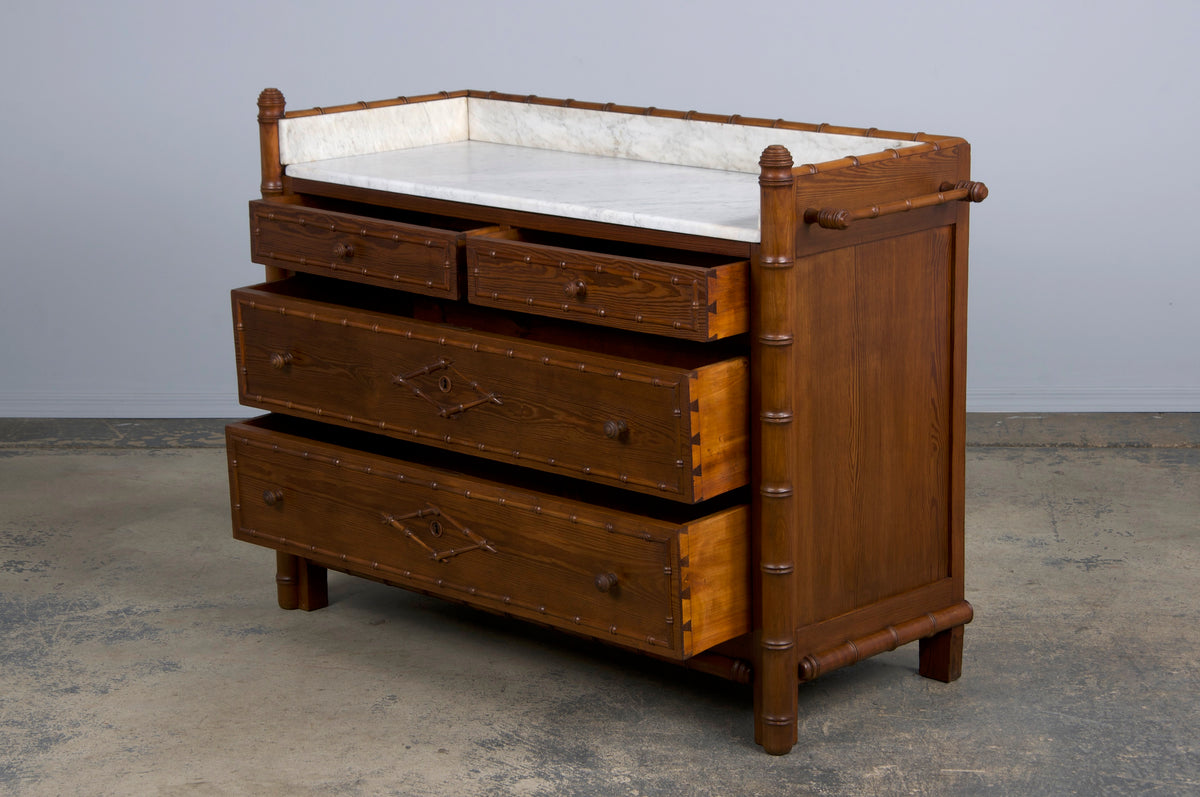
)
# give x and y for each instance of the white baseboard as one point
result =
(1083, 399)
(222, 405)
(122, 405)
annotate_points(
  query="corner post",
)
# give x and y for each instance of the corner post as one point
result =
(270, 111)
(941, 655)
(773, 366)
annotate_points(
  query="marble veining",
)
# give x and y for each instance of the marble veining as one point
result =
(338, 135)
(709, 202)
(709, 145)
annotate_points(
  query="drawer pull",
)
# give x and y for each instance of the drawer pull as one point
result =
(281, 359)
(606, 581)
(272, 497)
(616, 430)
(576, 289)
(343, 250)
(439, 526)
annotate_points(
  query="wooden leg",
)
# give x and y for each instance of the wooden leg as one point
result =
(776, 701)
(941, 655)
(301, 583)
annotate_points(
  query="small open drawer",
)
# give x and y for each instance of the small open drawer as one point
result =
(416, 252)
(676, 293)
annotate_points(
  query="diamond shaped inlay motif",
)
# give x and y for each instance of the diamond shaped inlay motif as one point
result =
(446, 388)
(432, 523)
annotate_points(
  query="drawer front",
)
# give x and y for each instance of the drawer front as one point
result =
(630, 424)
(672, 589)
(678, 300)
(357, 248)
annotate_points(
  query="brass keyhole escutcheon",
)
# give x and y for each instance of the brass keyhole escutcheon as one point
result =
(445, 384)
(435, 528)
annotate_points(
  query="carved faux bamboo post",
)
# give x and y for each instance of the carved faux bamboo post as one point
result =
(270, 111)
(773, 297)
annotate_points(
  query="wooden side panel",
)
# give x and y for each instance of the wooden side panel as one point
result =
(881, 320)
(729, 300)
(717, 578)
(720, 402)
(877, 182)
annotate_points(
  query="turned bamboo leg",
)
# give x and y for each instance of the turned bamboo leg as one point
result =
(774, 365)
(941, 655)
(301, 583)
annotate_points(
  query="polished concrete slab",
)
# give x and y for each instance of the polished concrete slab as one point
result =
(141, 651)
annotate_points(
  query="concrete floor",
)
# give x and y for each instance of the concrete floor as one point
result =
(141, 651)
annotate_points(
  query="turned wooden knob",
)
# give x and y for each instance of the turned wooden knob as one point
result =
(616, 430)
(606, 581)
(272, 497)
(344, 250)
(576, 289)
(281, 360)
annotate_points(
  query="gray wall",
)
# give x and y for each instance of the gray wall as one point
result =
(128, 150)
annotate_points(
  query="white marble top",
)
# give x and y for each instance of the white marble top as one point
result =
(661, 173)
(659, 196)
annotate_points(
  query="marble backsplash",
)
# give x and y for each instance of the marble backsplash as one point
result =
(709, 145)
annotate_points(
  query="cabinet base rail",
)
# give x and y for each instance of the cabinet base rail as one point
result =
(853, 651)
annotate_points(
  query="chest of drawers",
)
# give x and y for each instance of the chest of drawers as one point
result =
(625, 372)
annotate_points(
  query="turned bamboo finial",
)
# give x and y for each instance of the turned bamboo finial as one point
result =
(270, 104)
(270, 111)
(776, 164)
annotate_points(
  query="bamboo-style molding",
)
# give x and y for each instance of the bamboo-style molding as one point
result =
(889, 638)
(840, 218)
(365, 106)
